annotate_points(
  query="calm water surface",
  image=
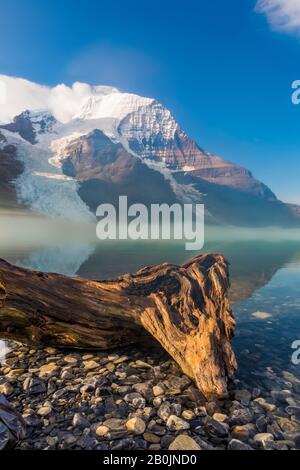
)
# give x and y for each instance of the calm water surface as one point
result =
(265, 292)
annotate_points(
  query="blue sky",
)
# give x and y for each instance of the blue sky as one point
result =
(224, 69)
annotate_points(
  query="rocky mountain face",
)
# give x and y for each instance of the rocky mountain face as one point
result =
(152, 133)
(120, 143)
(227, 205)
(10, 168)
(30, 124)
(105, 171)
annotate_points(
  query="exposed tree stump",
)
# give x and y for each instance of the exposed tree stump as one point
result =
(185, 308)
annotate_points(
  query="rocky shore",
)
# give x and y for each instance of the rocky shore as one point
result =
(139, 399)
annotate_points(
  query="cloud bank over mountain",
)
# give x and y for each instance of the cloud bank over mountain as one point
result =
(65, 149)
(61, 100)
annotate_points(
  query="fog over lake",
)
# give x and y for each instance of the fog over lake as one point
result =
(264, 274)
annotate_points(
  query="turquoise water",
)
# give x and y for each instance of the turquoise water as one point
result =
(264, 346)
(265, 295)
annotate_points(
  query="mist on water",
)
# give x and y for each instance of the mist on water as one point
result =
(24, 229)
(59, 245)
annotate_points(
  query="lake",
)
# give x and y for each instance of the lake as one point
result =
(264, 272)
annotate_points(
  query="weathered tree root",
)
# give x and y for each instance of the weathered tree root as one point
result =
(185, 308)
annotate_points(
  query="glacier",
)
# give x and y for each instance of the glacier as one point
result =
(58, 115)
(43, 186)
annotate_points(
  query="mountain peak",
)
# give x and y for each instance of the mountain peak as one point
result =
(30, 124)
(115, 105)
(61, 119)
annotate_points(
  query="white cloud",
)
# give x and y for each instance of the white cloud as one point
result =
(66, 101)
(283, 15)
(62, 101)
(21, 95)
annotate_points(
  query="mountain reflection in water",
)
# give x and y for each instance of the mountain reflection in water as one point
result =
(264, 275)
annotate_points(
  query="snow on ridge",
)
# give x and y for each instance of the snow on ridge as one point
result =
(150, 120)
(63, 101)
(66, 102)
(43, 186)
(82, 101)
(77, 111)
(114, 105)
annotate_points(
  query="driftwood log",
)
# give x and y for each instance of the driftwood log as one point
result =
(185, 308)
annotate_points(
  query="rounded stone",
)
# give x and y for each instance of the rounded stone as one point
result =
(44, 411)
(48, 370)
(70, 360)
(135, 399)
(34, 386)
(235, 444)
(90, 365)
(262, 439)
(136, 425)
(164, 411)
(102, 431)
(220, 417)
(152, 438)
(158, 390)
(188, 415)
(157, 401)
(66, 374)
(240, 433)
(114, 424)
(50, 350)
(174, 423)
(6, 389)
(215, 428)
(265, 405)
(80, 421)
(184, 442)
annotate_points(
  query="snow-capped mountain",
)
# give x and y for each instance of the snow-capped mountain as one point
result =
(30, 124)
(75, 147)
